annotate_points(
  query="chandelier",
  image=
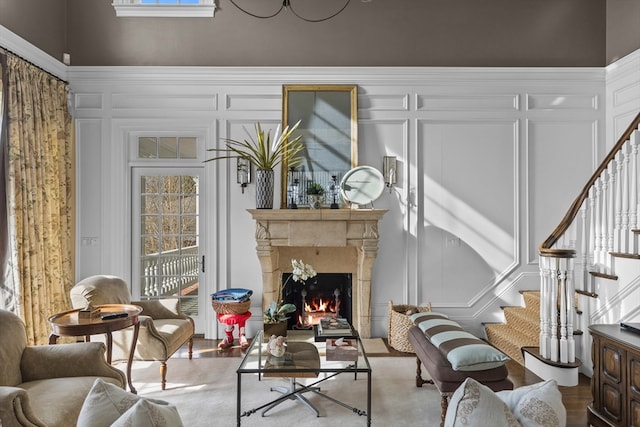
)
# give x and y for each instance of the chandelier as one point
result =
(286, 5)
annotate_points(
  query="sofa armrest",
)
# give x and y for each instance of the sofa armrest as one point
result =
(67, 360)
(161, 309)
(15, 409)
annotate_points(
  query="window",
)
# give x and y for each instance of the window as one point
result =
(167, 147)
(165, 8)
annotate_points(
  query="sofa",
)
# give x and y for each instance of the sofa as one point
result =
(47, 385)
(474, 359)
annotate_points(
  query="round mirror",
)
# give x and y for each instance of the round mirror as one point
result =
(362, 185)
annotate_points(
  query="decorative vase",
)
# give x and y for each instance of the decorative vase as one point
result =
(264, 189)
(277, 329)
(315, 200)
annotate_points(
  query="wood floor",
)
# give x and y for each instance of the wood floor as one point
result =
(575, 399)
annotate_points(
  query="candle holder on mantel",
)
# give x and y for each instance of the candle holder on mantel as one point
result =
(293, 190)
(333, 189)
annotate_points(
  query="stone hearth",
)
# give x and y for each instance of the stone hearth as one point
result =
(331, 240)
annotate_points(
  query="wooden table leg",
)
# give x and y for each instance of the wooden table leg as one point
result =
(109, 347)
(136, 329)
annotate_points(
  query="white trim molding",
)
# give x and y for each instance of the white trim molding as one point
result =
(134, 8)
(31, 53)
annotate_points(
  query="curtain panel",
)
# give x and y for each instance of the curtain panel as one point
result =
(39, 166)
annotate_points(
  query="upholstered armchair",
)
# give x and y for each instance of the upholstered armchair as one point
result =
(46, 385)
(163, 328)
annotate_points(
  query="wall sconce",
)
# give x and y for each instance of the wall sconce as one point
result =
(389, 171)
(243, 172)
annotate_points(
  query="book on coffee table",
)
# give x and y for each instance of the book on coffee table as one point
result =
(333, 328)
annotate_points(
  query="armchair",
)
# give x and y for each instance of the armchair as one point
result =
(163, 328)
(46, 385)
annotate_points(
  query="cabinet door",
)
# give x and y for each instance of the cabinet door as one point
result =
(613, 382)
(633, 392)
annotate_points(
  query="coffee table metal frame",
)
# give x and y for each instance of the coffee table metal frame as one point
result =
(255, 362)
(68, 323)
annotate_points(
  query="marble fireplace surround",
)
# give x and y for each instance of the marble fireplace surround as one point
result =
(331, 240)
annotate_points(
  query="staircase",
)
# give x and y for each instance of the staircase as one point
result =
(521, 327)
(582, 261)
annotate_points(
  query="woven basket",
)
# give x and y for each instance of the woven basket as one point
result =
(399, 325)
(231, 307)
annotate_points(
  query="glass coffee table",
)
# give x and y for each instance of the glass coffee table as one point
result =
(304, 358)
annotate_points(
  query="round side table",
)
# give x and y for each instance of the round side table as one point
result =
(69, 323)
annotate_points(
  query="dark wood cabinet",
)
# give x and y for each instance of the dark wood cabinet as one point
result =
(615, 385)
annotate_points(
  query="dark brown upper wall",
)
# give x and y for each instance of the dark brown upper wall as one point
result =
(376, 33)
(42, 23)
(623, 28)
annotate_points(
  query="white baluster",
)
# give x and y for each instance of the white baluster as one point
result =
(571, 290)
(584, 242)
(592, 234)
(562, 294)
(617, 228)
(597, 226)
(553, 310)
(624, 176)
(610, 216)
(545, 280)
(633, 192)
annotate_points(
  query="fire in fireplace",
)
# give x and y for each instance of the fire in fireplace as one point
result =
(327, 294)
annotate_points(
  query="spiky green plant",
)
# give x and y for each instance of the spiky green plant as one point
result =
(262, 151)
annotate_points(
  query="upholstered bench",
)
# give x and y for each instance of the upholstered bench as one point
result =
(450, 355)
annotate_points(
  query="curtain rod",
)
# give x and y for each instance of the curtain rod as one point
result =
(7, 51)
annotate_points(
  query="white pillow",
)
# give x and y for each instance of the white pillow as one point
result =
(148, 414)
(105, 403)
(474, 404)
(536, 405)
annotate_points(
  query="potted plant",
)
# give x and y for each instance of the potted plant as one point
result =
(315, 195)
(277, 314)
(265, 154)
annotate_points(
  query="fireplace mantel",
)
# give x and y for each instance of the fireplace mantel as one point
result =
(331, 240)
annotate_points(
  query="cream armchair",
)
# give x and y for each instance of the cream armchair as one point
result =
(46, 385)
(163, 328)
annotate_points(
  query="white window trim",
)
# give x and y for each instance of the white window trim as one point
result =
(133, 8)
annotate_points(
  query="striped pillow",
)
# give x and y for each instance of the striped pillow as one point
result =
(463, 350)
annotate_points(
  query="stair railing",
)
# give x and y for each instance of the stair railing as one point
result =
(599, 224)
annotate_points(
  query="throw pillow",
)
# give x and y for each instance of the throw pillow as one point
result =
(474, 404)
(148, 414)
(105, 403)
(466, 352)
(536, 405)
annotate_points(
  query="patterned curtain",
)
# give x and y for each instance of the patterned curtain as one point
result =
(40, 203)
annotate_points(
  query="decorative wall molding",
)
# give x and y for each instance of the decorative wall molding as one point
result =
(31, 53)
(394, 104)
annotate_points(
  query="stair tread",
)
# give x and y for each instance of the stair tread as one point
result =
(525, 321)
(508, 340)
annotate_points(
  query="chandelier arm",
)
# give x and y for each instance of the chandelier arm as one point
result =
(259, 16)
(314, 20)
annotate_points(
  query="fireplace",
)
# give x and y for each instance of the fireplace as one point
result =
(325, 295)
(331, 240)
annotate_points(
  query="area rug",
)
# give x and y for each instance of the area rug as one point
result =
(204, 391)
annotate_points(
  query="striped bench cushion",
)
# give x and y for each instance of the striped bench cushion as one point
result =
(463, 350)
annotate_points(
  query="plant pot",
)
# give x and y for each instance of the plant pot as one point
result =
(264, 189)
(315, 200)
(277, 329)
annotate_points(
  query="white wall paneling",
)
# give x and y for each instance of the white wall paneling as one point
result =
(554, 148)
(467, 189)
